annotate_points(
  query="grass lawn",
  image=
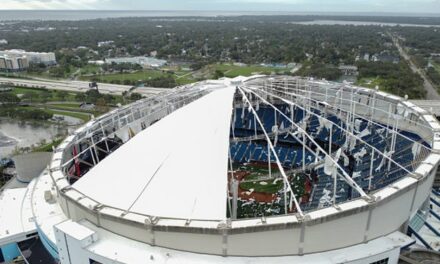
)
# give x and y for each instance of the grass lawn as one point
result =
(44, 74)
(83, 116)
(181, 77)
(48, 147)
(184, 77)
(66, 108)
(369, 82)
(69, 107)
(89, 69)
(436, 66)
(72, 105)
(70, 99)
(253, 181)
(22, 90)
(52, 94)
(185, 80)
(232, 71)
(273, 186)
(24, 75)
(60, 107)
(372, 83)
(257, 180)
(136, 76)
(266, 186)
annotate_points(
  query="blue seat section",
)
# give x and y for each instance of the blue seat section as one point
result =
(322, 193)
(290, 151)
(289, 157)
(246, 123)
(384, 172)
(257, 153)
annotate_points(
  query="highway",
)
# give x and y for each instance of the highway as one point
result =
(431, 91)
(80, 86)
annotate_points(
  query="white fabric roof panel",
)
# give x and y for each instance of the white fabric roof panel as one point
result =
(176, 168)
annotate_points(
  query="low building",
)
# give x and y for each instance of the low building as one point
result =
(385, 57)
(5, 89)
(13, 63)
(146, 62)
(16, 60)
(3, 42)
(105, 43)
(274, 65)
(96, 62)
(366, 57)
(240, 64)
(87, 106)
(349, 70)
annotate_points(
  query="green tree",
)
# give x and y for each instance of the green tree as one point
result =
(321, 71)
(80, 97)
(29, 97)
(101, 105)
(218, 74)
(45, 96)
(108, 98)
(8, 99)
(92, 96)
(62, 95)
(135, 96)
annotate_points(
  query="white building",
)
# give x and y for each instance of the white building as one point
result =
(20, 59)
(105, 43)
(3, 42)
(146, 62)
(13, 62)
(349, 70)
(366, 57)
(157, 181)
(96, 62)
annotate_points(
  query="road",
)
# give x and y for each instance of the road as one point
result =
(80, 86)
(431, 91)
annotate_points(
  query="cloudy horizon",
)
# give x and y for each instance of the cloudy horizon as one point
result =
(379, 6)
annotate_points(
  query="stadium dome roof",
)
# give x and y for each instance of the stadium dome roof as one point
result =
(204, 167)
(175, 168)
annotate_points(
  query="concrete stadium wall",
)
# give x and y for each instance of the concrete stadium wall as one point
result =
(322, 230)
(341, 232)
(336, 231)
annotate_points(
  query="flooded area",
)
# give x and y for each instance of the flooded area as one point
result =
(20, 134)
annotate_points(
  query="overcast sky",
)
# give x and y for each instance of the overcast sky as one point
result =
(405, 6)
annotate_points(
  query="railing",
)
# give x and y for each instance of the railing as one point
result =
(143, 112)
(148, 110)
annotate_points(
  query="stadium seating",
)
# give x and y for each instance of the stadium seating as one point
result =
(290, 151)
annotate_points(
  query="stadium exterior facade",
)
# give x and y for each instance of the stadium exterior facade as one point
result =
(156, 181)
